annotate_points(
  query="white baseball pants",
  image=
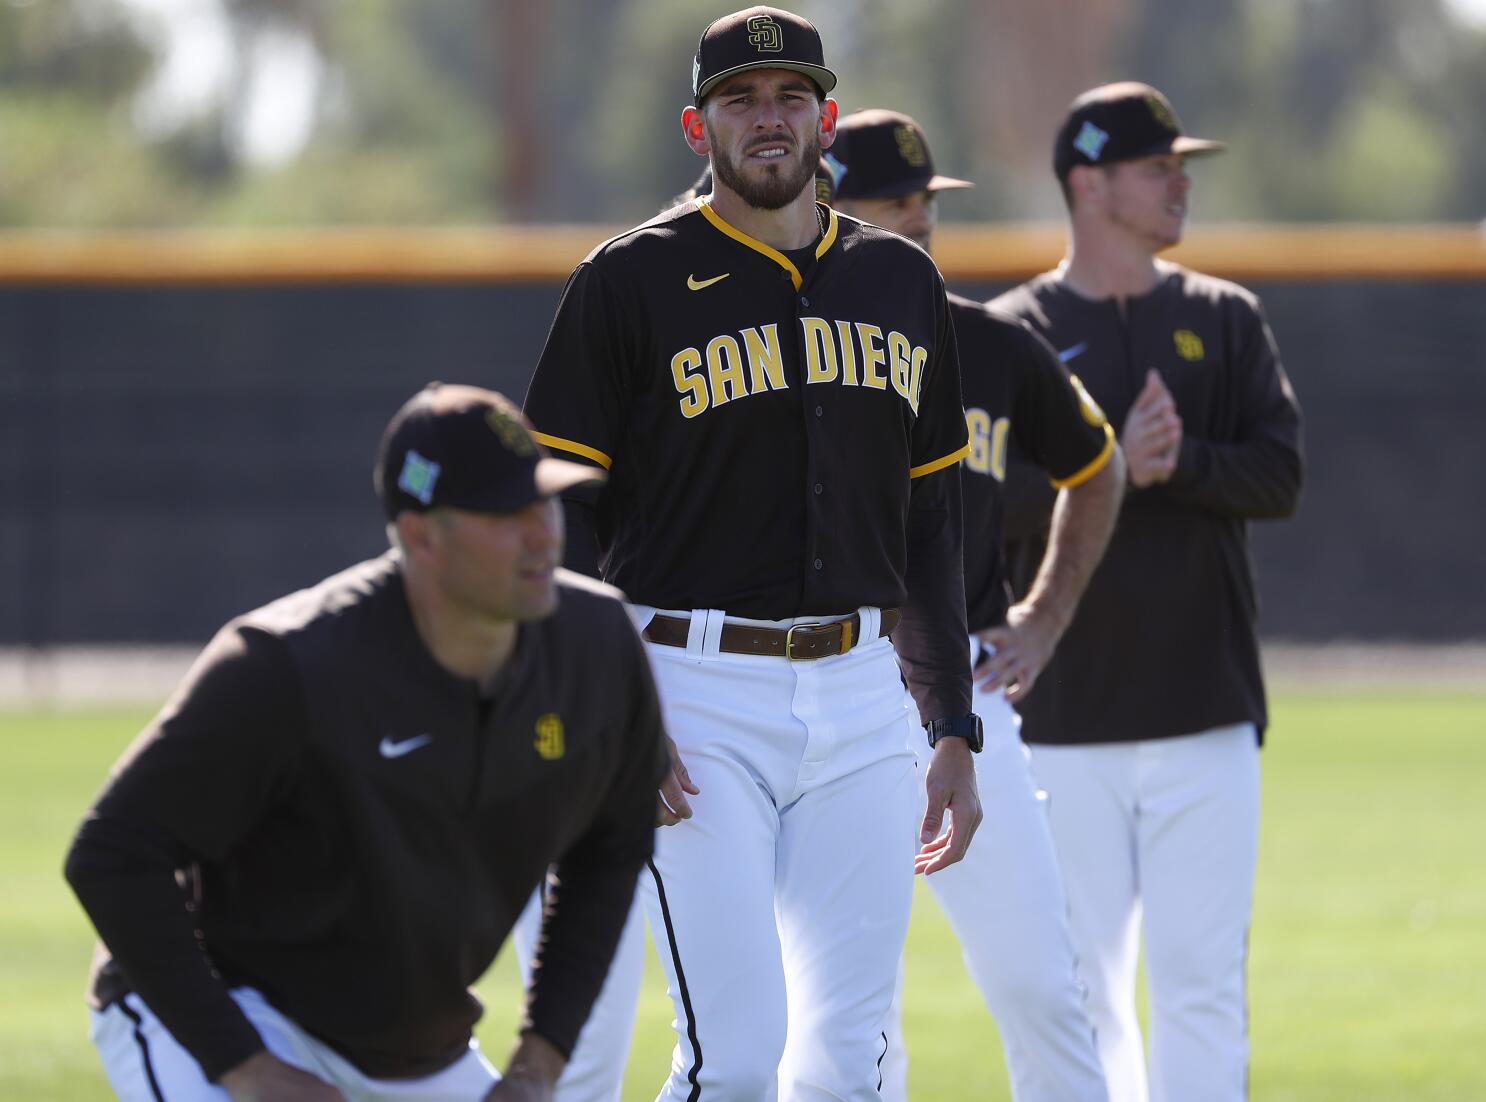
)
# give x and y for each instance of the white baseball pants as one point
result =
(780, 908)
(595, 1072)
(1158, 840)
(144, 1063)
(1006, 903)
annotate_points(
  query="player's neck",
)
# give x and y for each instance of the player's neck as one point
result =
(1100, 266)
(792, 226)
(468, 646)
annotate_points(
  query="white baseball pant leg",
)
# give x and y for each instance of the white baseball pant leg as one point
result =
(595, 1072)
(1162, 833)
(145, 1063)
(780, 908)
(1007, 906)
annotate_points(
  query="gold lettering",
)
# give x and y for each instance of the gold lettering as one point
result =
(692, 388)
(900, 353)
(848, 354)
(872, 356)
(765, 361)
(978, 421)
(987, 443)
(820, 352)
(999, 433)
(916, 380)
(725, 370)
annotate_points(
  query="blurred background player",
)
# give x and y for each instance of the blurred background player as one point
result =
(302, 865)
(1005, 900)
(1146, 729)
(776, 395)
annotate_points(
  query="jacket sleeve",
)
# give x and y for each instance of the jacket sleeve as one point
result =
(594, 882)
(931, 640)
(1254, 470)
(191, 785)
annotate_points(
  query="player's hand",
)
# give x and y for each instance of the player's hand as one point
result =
(531, 1074)
(1152, 436)
(263, 1077)
(950, 783)
(671, 805)
(1020, 650)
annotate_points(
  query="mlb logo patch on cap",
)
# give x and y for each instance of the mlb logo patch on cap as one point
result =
(1090, 141)
(418, 477)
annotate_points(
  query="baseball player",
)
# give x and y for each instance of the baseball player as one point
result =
(595, 1073)
(302, 864)
(775, 393)
(1005, 900)
(1146, 727)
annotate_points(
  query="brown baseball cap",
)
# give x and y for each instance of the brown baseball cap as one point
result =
(879, 154)
(759, 38)
(463, 447)
(1120, 122)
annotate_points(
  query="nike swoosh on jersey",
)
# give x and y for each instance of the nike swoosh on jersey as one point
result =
(1068, 353)
(392, 748)
(697, 284)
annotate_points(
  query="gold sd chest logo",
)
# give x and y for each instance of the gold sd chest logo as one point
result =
(1188, 345)
(549, 742)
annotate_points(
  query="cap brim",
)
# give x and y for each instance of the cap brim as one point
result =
(1188, 145)
(901, 187)
(818, 73)
(556, 475)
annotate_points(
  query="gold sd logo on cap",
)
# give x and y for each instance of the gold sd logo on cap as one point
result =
(764, 34)
(910, 146)
(1162, 112)
(511, 432)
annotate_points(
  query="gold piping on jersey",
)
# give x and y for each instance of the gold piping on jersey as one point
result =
(1095, 465)
(827, 239)
(940, 463)
(575, 448)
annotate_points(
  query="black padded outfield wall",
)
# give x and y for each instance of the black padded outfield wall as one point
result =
(171, 455)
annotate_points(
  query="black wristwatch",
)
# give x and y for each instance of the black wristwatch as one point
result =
(965, 727)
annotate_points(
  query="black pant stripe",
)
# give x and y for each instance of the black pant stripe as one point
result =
(144, 1049)
(880, 1059)
(691, 1018)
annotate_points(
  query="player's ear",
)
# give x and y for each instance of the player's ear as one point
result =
(1086, 183)
(417, 532)
(694, 128)
(828, 111)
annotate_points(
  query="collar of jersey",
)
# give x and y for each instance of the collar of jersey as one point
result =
(827, 239)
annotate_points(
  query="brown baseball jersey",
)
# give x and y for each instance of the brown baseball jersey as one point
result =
(780, 430)
(358, 828)
(1164, 641)
(1015, 389)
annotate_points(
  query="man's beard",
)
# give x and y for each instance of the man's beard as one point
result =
(778, 188)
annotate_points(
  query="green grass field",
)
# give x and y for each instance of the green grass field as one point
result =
(1368, 966)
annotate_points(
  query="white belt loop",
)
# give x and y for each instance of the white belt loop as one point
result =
(704, 633)
(712, 638)
(871, 625)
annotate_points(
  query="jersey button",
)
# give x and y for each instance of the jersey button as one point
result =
(804, 301)
(819, 565)
(820, 411)
(819, 488)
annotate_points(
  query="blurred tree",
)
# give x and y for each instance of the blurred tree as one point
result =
(469, 111)
(68, 154)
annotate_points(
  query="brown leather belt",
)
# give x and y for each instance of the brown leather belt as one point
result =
(799, 643)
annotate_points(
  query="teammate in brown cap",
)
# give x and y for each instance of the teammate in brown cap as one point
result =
(1146, 725)
(302, 865)
(1005, 900)
(775, 394)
